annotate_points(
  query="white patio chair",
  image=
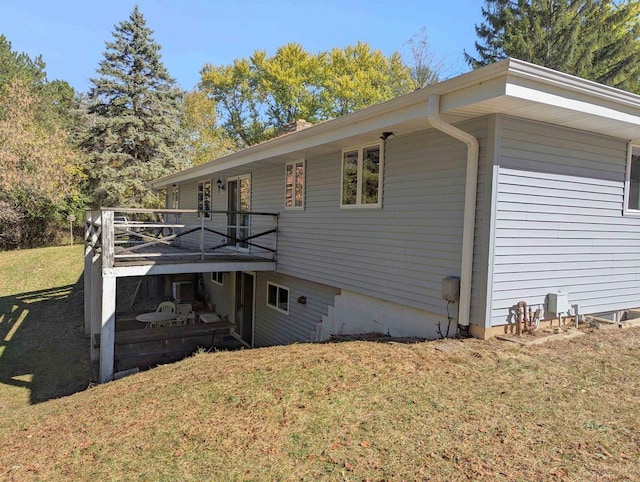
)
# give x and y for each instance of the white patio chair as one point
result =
(167, 307)
(182, 318)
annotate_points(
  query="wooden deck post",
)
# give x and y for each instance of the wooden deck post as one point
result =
(108, 328)
(95, 273)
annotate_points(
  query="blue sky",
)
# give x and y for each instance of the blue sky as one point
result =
(71, 34)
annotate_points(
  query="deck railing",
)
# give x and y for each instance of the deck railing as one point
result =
(124, 234)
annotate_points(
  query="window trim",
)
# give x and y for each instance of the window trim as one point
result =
(175, 197)
(279, 287)
(238, 180)
(358, 204)
(293, 207)
(627, 181)
(215, 281)
(198, 205)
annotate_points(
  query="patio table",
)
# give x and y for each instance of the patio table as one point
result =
(155, 317)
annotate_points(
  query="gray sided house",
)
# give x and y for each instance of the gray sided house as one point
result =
(510, 183)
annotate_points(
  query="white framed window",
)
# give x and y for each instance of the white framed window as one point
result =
(217, 277)
(204, 198)
(362, 169)
(174, 197)
(632, 181)
(278, 297)
(294, 185)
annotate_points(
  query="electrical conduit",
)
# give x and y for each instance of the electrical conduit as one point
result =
(469, 220)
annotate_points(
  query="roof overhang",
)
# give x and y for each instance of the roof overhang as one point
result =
(511, 87)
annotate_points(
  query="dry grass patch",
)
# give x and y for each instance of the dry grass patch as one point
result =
(351, 411)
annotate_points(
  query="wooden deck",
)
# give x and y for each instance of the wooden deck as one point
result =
(124, 242)
(149, 347)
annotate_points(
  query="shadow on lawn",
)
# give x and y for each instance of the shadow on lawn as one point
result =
(42, 342)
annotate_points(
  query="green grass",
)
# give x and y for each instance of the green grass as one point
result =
(43, 352)
(446, 410)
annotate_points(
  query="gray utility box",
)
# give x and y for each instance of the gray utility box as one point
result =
(558, 302)
(451, 288)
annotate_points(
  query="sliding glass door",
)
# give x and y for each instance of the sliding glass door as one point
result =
(239, 202)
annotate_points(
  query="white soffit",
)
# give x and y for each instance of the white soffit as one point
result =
(541, 94)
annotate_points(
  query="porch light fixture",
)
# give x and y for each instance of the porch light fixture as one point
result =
(220, 185)
(386, 135)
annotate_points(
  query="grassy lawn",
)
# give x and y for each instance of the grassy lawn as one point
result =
(445, 410)
(43, 352)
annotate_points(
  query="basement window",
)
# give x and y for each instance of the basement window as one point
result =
(217, 277)
(362, 176)
(632, 193)
(278, 297)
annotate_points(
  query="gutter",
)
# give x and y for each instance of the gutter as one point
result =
(469, 220)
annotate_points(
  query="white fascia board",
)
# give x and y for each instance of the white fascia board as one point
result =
(544, 75)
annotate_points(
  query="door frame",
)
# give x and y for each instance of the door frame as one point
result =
(237, 179)
(235, 295)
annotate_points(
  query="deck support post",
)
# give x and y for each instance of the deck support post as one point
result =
(87, 276)
(107, 328)
(95, 274)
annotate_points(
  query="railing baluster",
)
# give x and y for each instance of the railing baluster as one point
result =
(127, 237)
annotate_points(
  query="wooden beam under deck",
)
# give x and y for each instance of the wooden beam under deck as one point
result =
(149, 269)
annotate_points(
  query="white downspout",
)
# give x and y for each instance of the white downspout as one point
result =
(469, 222)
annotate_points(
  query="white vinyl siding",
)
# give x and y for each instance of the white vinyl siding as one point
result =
(275, 328)
(632, 182)
(559, 221)
(221, 297)
(399, 253)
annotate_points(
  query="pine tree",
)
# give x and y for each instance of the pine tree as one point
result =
(594, 39)
(495, 13)
(136, 135)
